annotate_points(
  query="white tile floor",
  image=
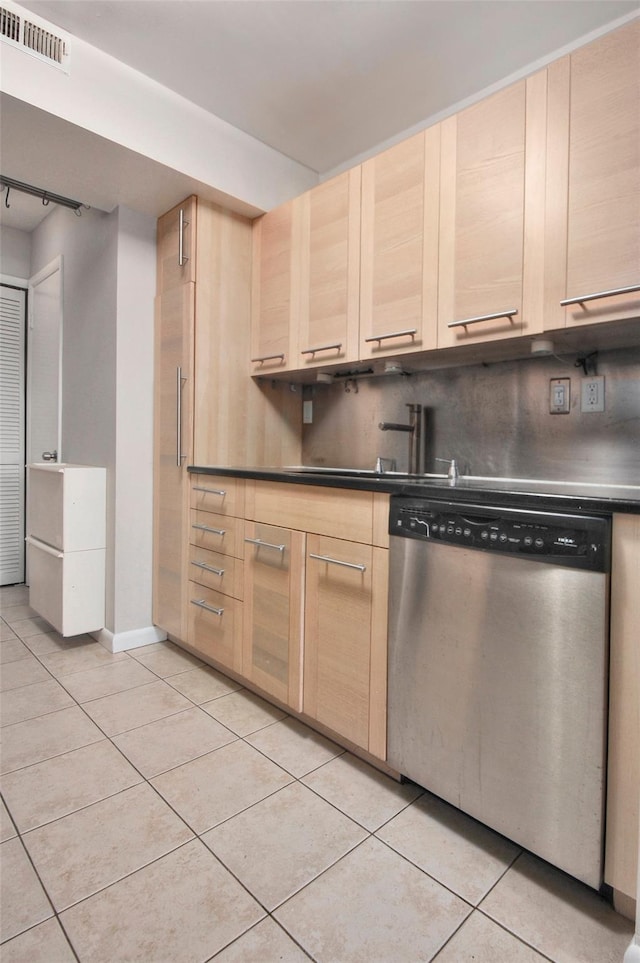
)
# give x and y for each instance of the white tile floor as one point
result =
(154, 811)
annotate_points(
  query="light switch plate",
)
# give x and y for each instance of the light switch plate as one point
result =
(559, 396)
(307, 412)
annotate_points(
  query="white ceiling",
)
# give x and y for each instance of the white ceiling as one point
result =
(325, 81)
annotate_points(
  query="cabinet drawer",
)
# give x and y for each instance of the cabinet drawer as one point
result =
(223, 573)
(67, 588)
(336, 512)
(215, 626)
(218, 533)
(215, 493)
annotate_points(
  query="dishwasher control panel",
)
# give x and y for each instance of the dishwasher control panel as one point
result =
(574, 540)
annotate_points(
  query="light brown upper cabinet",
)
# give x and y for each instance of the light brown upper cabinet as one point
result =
(399, 248)
(593, 193)
(492, 216)
(176, 246)
(275, 294)
(329, 265)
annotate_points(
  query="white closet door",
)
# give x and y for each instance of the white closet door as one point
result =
(12, 434)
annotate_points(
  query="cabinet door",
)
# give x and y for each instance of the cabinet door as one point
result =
(337, 657)
(175, 244)
(329, 265)
(273, 337)
(593, 225)
(492, 195)
(399, 256)
(623, 776)
(272, 644)
(173, 437)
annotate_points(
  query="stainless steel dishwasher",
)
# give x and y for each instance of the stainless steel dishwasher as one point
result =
(498, 669)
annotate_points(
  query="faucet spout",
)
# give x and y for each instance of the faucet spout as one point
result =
(414, 430)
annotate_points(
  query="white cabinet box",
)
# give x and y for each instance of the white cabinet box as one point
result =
(66, 545)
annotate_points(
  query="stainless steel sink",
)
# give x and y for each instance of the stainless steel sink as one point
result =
(356, 472)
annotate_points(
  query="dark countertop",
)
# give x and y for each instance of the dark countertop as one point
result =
(525, 493)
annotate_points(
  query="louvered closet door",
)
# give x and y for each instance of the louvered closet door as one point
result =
(12, 429)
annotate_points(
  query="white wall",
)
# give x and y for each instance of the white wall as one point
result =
(107, 395)
(15, 253)
(106, 97)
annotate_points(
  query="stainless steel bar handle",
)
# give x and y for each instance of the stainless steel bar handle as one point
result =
(214, 531)
(261, 544)
(208, 568)
(179, 455)
(182, 257)
(209, 491)
(601, 294)
(483, 317)
(324, 347)
(392, 334)
(268, 357)
(208, 608)
(337, 561)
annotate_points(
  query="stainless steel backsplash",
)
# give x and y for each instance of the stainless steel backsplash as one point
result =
(494, 419)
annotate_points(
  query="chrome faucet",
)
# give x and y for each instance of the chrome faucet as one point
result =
(414, 428)
(453, 474)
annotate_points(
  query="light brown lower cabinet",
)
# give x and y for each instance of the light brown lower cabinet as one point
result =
(215, 626)
(273, 594)
(623, 777)
(345, 640)
(216, 578)
(296, 612)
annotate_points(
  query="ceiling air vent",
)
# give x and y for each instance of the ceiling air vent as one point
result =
(35, 37)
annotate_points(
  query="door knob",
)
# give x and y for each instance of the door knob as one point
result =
(50, 455)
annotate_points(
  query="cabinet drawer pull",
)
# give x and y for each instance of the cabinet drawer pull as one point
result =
(209, 568)
(601, 294)
(208, 608)
(182, 258)
(324, 347)
(261, 544)
(337, 561)
(410, 332)
(210, 491)
(206, 528)
(268, 357)
(484, 317)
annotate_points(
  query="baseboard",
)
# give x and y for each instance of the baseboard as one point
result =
(633, 953)
(135, 639)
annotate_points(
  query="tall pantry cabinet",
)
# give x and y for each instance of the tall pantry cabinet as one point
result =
(207, 411)
(173, 408)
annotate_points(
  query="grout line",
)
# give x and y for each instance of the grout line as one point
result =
(516, 936)
(198, 836)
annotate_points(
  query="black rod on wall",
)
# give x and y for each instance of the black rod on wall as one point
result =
(46, 196)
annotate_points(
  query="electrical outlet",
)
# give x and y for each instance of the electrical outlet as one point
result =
(592, 393)
(559, 396)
